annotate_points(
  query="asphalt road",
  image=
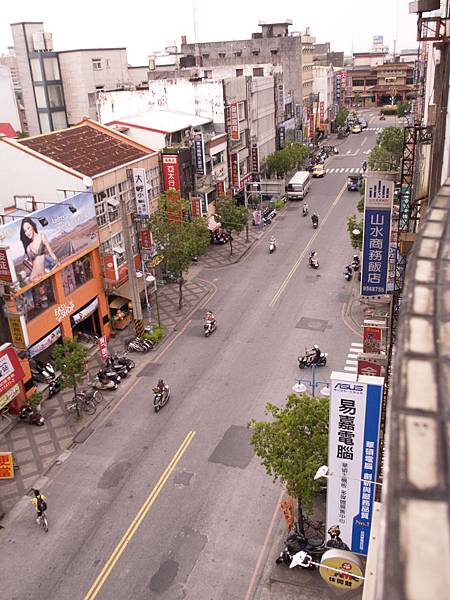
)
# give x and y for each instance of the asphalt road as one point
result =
(175, 505)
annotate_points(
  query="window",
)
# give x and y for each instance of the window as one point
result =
(44, 120)
(241, 111)
(358, 82)
(41, 100)
(117, 242)
(371, 82)
(113, 209)
(99, 88)
(107, 63)
(153, 183)
(33, 302)
(239, 72)
(36, 69)
(55, 96)
(51, 69)
(274, 51)
(255, 52)
(258, 72)
(243, 168)
(76, 274)
(205, 55)
(97, 64)
(25, 203)
(221, 54)
(217, 158)
(100, 208)
(208, 74)
(238, 53)
(59, 120)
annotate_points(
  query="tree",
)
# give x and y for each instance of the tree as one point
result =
(387, 154)
(178, 239)
(70, 358)
(298, 153)
(233, 218)
(341, 117)
(279, 163)
(379, 159)
(355, 239)
(403, 108)
(357, 100)
(293, 445)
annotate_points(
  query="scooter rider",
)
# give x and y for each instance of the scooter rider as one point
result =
(315, 218)
(313, 258)
(364, 165)
(161, 388)
(273, 241)
(305, 209)
(314, 355)
(210, 318)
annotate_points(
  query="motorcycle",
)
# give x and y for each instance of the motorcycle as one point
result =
(31, 415)
(313, 260)
(348, 273)
(307, 360)
(272, 246)
(117, 360)
(356, 263)
(364, 166)
(102, 382)
(41, 372)
(138, 345)
(295, 543)
(315, 221)
(109, 374)
(209, 327)
(54, 387)
(160, 398)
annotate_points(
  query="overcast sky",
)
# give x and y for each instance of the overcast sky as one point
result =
(145, 26)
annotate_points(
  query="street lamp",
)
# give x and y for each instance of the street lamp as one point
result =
(324, 472)
(300, 388)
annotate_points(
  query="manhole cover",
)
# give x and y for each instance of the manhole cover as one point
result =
(312, 324)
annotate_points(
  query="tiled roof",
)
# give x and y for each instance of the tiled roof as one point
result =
(85, 149)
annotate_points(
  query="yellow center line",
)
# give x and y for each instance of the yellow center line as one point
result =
(305, 250)
(128, 535)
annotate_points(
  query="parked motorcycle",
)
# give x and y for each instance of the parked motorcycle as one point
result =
(54, 387)
(348, 273)
(117, 360)
(296, 542)
(110, 374)
(313, 260)
(315, 220)
(160, 398)
(356, 263)
(31, 415)
(138, 345)
(307, 360)
(102, 382)
(42, 372)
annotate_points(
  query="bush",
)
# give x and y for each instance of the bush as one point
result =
(156, 335)
(279, 204)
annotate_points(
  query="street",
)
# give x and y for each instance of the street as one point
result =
(175, 505)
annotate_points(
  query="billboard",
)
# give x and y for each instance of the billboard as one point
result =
(355, 407)
(171, 172)
(199, 152)
(379, 193)
(234, 121)
(43, 240)
(11, 371)
(141, 192)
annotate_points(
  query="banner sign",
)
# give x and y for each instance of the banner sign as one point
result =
(7, 271)
(6, 465)
(369, 365)
(234, 121)
(378, 200)
(371, 339)
(45, 342)
(110, 267)
(220, 188)
(48, 238)
(145, 236)
(86, 312)
(312, 130)
(171, 172)
(322, 111)
(281, 136)
(103, 347)
(196, 206)
(338, 87)
(255, 158)
(11, 371)
(355, 407)
(235, 176)
(141, 192)
(287, 508)
(199, 151)
(18, 330)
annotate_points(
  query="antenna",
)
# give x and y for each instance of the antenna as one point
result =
(195, 12)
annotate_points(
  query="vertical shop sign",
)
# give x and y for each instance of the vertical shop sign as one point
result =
(322, 111)
(6, 465)
(11, 371)
(355, 407)
(281, 136)
(7, 270)
(196, 206)
(234, 121)
(235, 176)
(103, 347)
(377, 228)
(146, 239)
(371, 338)
(18, 329)
(199, 151)
(141, 192)
(171, 172)
(220, 188)
(255, 158)
(312, 130)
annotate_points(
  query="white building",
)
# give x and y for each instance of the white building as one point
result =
(323, 85)
(8, 103)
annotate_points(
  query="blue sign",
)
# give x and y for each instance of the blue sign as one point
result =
(281, 136)
(377, 227)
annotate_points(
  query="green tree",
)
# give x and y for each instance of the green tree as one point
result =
(341, 117)
(293, 444)
(279, 163)
(233, 218)
(178, 238)
(70, 358)
(403, 108)
(353, 223)
(380, 159)
(357, 100)
(387, 154)
(298, 153)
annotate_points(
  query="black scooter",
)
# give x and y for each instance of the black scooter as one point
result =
(315, 221)
(31, 415)
(295, 543)
(348, 273)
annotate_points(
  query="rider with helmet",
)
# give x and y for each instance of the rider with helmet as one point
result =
(314, 355)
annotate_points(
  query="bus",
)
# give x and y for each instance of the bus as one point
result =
(298, 186)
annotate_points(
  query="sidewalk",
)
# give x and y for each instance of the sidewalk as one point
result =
(36, 449)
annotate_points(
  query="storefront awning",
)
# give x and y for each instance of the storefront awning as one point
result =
(124, 290)
(45, 342)
(85, 312)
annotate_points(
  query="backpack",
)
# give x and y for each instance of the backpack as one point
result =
(41, 504)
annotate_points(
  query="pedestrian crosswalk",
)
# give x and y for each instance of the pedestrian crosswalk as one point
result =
(354, 170)
(373, 129)
(351, 364)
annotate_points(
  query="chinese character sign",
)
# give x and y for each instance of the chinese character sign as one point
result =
(322, 111)
(171, 172)
(141, 192)
(352, 452)
(255, 158)
(234, 121)
(235, 176)
(6, 465)
(10, 368)
(7, 271)
(377, 229)
(199, 151)
(103, 347)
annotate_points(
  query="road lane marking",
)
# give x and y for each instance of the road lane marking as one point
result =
(305, 250)
(364, 141)
(128, 535)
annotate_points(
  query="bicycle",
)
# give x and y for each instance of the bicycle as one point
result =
(81, 403)
(90, 395)
(43, 521)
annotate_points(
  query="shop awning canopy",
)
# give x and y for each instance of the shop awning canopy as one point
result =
(124, 291)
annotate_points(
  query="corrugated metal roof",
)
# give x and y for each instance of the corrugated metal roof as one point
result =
(164, 120)
(85, 149)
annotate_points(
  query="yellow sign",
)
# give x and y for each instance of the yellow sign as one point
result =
(154, 262)
(17, 327)
(6, 465)
(343, 568)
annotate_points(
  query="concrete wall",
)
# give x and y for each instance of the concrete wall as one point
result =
(324, 85)
(262, 115)
(138, 75)
(8, 104)
(152, 139)
(22, 174)
(80, 79)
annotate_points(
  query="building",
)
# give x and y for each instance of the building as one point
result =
(383, 84)
(368, 59)
(323, 56)
(60, 160)
(324, 88)
(8, 104)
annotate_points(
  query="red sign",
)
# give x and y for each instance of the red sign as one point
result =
(6, 273)
(255, 158)
(235, 180)
(11, 371)
(103, 346)
(146, 239)
(171, 172)
(322, 111)
(196, 206)
(311, 126)
(110, 267)
(220, 188)
(234, 121)
(368, 367)
(371, 339)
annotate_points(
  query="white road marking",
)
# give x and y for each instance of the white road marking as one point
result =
(352, 169)
(348, 151)
(352, 356)
(352, 369)
(364, 141)
(351, 362)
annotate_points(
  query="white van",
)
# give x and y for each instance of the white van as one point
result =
(298, 186)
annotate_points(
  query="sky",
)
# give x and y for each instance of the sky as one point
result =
(144, 26)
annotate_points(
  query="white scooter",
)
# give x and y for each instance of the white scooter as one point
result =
(272, 245)
(160, 398)
(313, 260)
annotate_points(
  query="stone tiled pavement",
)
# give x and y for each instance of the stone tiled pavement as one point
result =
(37, 448)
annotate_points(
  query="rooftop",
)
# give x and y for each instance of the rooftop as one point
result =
(8, 130)
(89, 148)
(163, 121)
